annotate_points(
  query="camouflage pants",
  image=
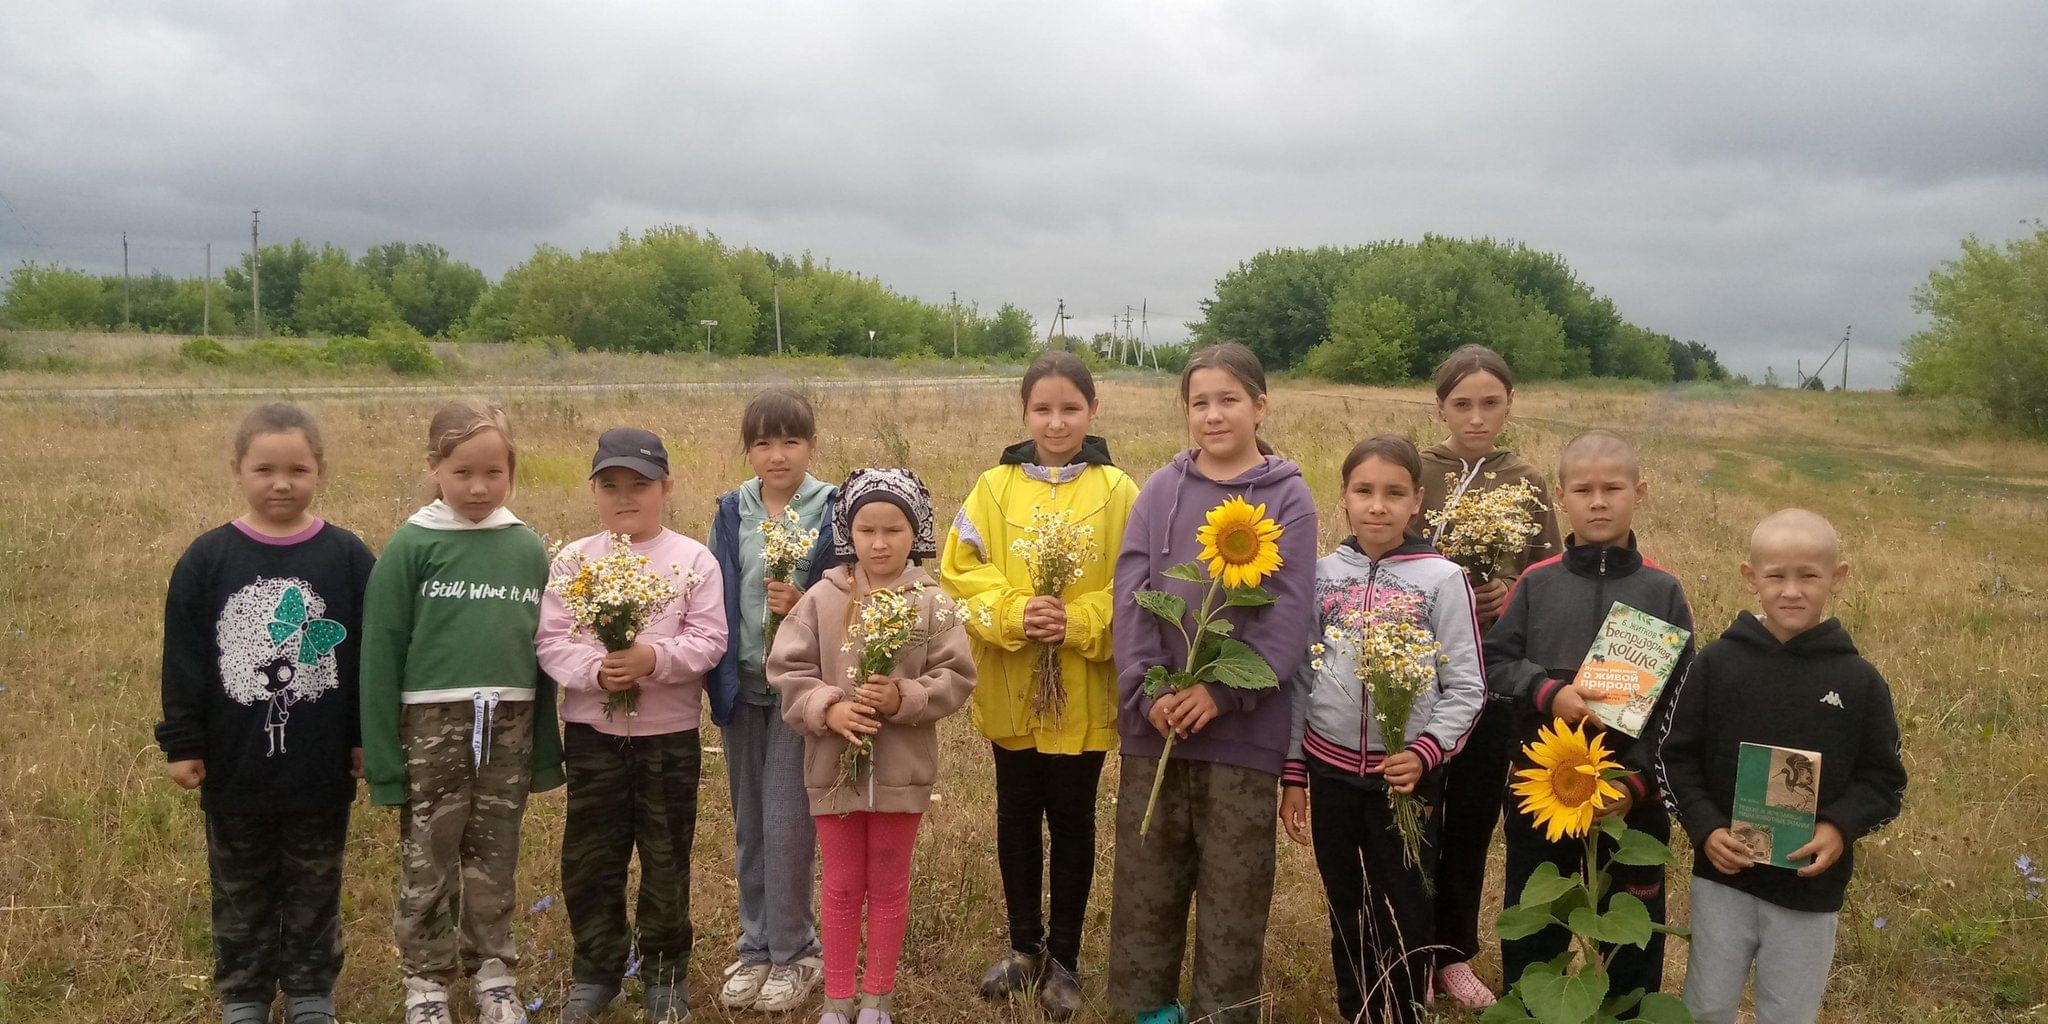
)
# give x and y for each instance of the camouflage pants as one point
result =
(459, 838)
(627, 793)
(276, 903)
(1212, 840)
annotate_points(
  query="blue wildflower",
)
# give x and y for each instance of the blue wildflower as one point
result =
(633, 967)
(540, 906)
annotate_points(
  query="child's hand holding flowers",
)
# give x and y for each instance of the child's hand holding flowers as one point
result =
(852, 720)
(1045, 620)
(882, 694)
(1403, 771)
(782, 597)
(621, 669)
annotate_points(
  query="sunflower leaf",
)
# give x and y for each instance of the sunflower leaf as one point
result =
(1561, 910)
(1220, 627)
(1611, 826)
(1564, 999)
(1162, 604)
(1658, 1008)
(1545, 885)
(1191, 572)
(1520, 922)
(1247, 597)
(1239, 667)
(1508, 1010)
(1640, 848)
(1621, 1004)
(1626, 922)
(1158, 679)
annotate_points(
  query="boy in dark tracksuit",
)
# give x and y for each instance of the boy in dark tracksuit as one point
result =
(1532, 655)
(1789, 677)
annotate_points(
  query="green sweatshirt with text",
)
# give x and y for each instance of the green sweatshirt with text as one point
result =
(449, 617)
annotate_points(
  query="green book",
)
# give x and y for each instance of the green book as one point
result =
(1630, 661)
(1777, 790)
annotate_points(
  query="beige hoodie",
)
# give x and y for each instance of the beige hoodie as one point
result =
(1443, 473)
(809, 668)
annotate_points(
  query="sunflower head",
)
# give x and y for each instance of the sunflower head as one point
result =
(1240, 545)
(1566, 788)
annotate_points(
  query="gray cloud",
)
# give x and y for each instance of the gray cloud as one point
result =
(1752, 175)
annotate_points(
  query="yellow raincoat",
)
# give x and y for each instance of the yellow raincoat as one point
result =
(978, 566)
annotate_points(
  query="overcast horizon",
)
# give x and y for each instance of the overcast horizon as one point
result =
(1750, 176)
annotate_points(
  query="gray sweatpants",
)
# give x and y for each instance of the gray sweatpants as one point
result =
(1792, 951)
(778, 843)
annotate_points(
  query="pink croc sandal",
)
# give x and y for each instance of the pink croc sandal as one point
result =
(1458, 982)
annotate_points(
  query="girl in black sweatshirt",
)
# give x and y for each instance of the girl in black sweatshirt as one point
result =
(259, 702)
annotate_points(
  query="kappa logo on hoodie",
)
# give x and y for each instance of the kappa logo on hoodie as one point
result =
(1834, 699)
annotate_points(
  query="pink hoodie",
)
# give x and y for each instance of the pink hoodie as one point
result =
(688, 638)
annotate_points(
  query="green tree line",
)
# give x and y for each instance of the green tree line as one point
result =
(647, 293)
(1987, 339)
(1388, 311)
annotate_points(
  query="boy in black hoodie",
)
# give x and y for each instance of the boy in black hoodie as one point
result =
(1789, 679)
(1532, 655)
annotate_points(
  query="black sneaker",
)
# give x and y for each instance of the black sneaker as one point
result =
(1059, 994)
(1012, 974)
(586, 1002)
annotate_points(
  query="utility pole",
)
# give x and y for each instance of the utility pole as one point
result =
(956, 325)
(778, 316)
(206, 310)
(1059, 324)
(1845, 355)
(255, 276)
(124, 278)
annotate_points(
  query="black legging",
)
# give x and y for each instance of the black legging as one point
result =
(1038, 792)
(1475, 787)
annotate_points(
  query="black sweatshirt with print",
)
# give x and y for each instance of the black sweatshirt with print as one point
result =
(1812, 692)
(259, 669)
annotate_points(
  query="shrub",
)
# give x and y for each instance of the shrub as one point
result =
(206, 351)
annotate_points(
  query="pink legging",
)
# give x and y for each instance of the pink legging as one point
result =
(866, 860)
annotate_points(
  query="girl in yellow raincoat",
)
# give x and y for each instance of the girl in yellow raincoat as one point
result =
(1059, 495)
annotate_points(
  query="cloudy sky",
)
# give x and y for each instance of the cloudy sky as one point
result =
(1751, 175)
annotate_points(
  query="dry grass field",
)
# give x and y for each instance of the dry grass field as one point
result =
(103, 901)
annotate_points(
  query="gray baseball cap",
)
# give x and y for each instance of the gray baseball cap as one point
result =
(635, 449)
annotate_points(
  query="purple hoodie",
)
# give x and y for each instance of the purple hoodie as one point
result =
(1253, 728)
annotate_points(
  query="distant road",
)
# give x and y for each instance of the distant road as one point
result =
(396, 390)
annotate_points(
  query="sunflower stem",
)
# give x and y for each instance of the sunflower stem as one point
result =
(1591, 867)
(1158, 779)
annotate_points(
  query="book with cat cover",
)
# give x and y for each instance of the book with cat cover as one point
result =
(1630, 661)
(1777, 791)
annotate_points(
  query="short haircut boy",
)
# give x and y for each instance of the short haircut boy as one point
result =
(1810, 692)
(1532, 653)
(1597, 446)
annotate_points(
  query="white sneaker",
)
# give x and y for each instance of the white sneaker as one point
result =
(790, 985)
(426, 1002)
(497, 995)
(743, 982)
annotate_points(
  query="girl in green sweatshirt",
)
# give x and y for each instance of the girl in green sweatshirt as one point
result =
(458, 721)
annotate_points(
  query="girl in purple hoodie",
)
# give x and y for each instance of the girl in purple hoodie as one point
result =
(1213, 826)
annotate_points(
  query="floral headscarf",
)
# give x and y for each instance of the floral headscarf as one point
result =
(899, 487)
